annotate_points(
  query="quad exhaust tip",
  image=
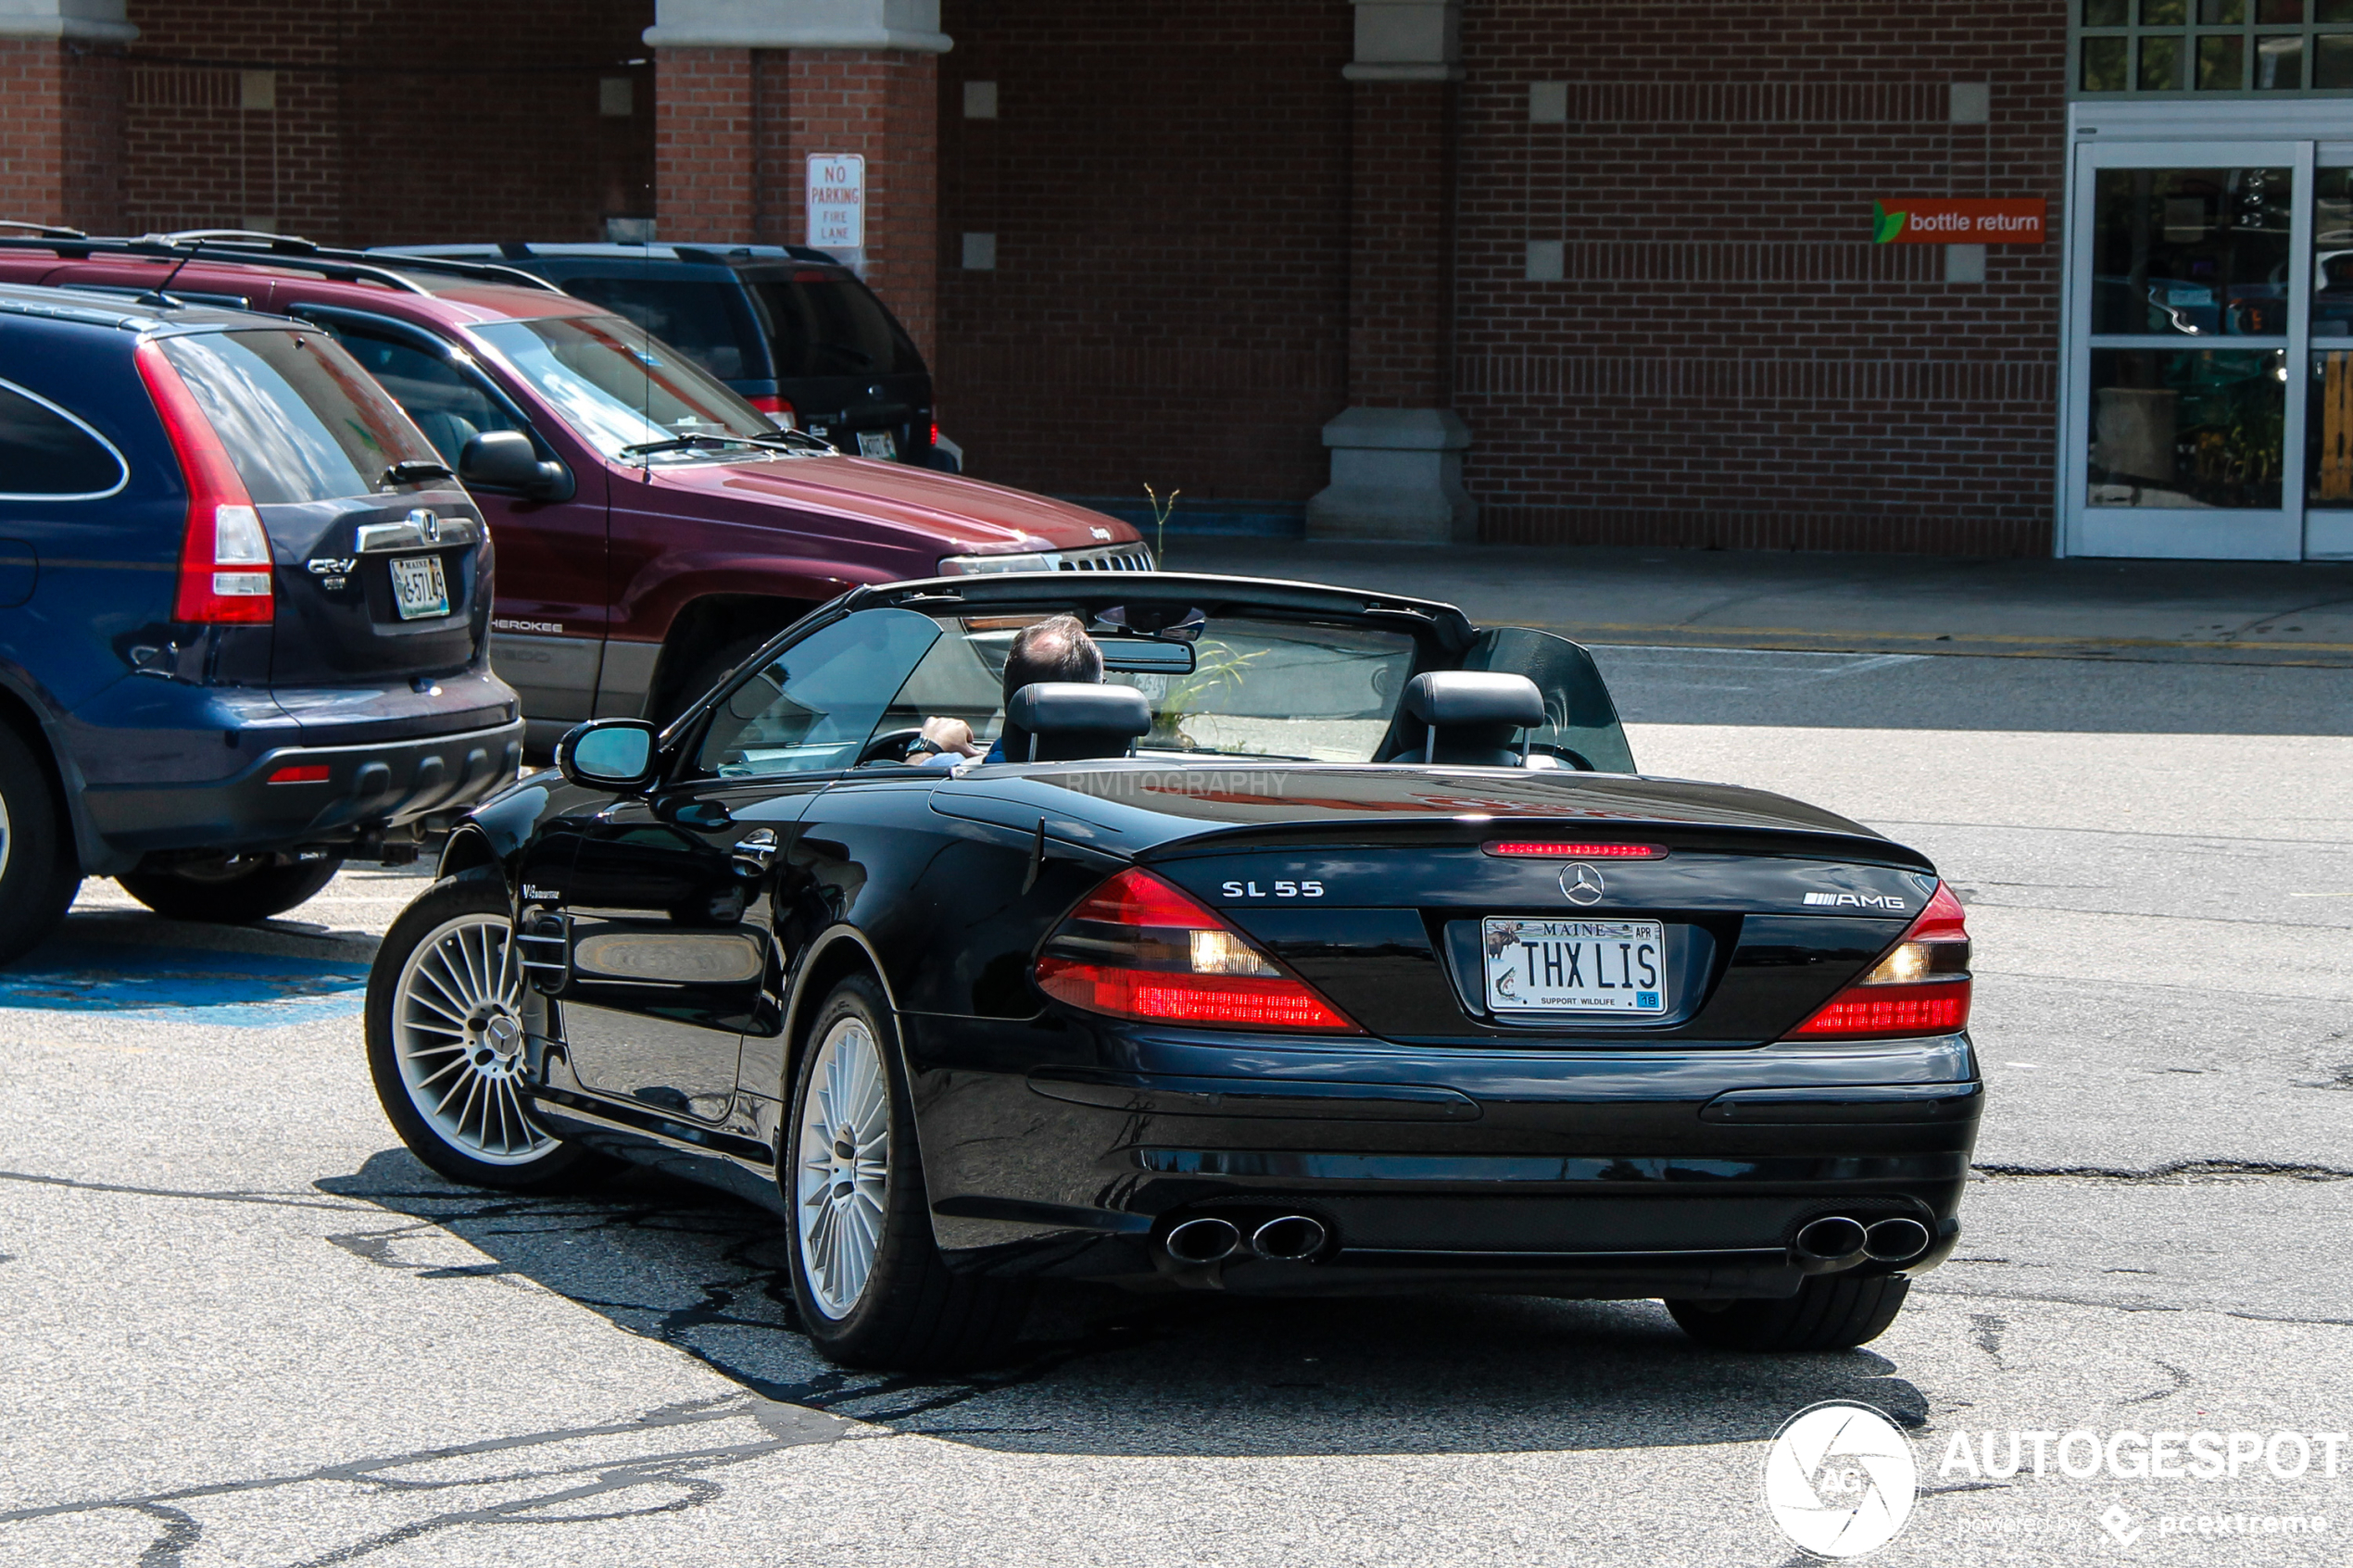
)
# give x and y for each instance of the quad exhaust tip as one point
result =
(1895, 1241)
(1837, 1239)
(1833, 1239)
(1204, 1240)
(1290, 1239)
(1208, 1239)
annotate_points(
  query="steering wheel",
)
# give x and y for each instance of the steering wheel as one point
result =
(889, 747)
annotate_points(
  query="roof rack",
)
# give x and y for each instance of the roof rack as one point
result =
(52, 231)
(290, 251)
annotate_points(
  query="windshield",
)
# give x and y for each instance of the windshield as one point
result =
(1266, 689)
(620, 388)
(1257, 688)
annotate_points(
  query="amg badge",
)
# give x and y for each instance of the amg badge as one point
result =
(1858, 900)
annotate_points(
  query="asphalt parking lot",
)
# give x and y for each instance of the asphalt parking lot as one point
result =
(245, 1327)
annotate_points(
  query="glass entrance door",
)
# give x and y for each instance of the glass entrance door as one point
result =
(2190, 360)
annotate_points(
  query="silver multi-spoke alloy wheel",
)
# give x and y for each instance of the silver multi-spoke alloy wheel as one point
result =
(844, 1165)
(457, 1023)
(6, 838)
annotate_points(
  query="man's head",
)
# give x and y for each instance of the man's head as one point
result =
(1055, 649)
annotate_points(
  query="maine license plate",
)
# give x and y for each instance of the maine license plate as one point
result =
(878, 444)
(419, 589)
(1575, 965)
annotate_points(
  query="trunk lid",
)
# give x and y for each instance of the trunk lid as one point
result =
(1381, 887)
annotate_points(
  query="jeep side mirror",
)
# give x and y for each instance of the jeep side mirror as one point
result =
(505, 459)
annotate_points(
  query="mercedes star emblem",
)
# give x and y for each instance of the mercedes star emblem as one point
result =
(1582, 883)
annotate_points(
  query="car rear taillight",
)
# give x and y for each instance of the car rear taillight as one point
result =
(778, 409)
(1141, 949)
(935, 433)
(1919, 986)
(224, 554)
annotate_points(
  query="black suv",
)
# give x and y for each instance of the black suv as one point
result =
(791, 329)
(243, 613)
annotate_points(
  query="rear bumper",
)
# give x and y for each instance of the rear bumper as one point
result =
(1607, 1174)
(370, 786)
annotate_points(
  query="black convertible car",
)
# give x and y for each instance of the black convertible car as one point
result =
(1331, 945)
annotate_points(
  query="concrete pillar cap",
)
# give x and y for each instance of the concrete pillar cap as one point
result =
(99, 21)
(910, 25)
(1398, 430)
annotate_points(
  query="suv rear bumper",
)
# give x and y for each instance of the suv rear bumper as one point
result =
(370, 786)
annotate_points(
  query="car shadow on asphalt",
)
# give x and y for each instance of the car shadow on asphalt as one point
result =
(1104, 1372)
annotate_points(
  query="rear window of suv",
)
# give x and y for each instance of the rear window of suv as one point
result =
(705, 321)
(300, 419)
(820, 321)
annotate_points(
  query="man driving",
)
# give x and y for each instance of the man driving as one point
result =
(1057, 648)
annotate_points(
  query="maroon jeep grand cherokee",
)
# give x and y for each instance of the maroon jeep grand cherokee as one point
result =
(652, 527)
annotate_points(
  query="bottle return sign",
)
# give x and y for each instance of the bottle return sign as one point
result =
(837, 192)
(1949, 221)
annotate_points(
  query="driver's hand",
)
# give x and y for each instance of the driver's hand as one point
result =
(951, 737)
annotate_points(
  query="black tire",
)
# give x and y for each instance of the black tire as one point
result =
(39, 872)
(233, 889)
(401, 1050)
(911, 1311)
(1828, 1313)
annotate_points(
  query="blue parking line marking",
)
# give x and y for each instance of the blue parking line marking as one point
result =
(192, 985)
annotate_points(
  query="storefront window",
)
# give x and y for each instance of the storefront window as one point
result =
(2195, 427)
(2191, 252)
(2328, 416)
(2212, 46)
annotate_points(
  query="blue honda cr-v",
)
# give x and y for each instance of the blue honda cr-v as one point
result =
(243, 613)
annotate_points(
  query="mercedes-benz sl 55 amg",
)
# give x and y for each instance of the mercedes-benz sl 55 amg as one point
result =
(1330, 944)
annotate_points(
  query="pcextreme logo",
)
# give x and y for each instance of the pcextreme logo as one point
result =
(1840, 1480)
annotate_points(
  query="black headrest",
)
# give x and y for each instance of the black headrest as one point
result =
(1448, 698)
(1071, 721)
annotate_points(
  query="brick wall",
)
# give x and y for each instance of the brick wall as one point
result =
(386, 122)
(1168, 181)
(61, 139)
(1728, 360)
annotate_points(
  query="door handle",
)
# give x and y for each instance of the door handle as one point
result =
(757, 848)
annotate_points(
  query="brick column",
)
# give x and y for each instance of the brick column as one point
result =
(884, 106)
(745, 95)
(1397, 449)
(61, 86)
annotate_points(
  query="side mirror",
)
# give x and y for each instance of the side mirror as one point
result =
(615, 754)
(505, 459)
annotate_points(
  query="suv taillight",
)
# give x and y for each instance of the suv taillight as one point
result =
(778, 409)
(1141, 949)
(1919, 986)
(224, 552)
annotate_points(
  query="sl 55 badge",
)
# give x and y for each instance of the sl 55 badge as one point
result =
(1281, 890)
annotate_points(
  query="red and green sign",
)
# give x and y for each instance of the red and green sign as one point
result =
(1955, 221)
